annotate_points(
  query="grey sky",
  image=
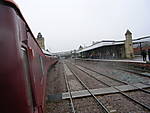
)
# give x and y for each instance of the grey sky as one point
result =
(66, 24)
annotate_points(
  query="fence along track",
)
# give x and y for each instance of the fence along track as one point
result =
(102, 107)
(121, 92)
(70, 95)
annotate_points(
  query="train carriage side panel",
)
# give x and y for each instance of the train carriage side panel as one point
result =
(14, 98)
(37, 67)
(23, 65)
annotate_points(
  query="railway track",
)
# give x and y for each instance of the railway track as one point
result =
(134, 68)
(101, 106)
(134, 71)
(70, 95)
(115, 79)
(142, 77)
(121, 92)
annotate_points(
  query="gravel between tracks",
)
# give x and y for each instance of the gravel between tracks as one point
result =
(140, 96)
(62, 106)
(89, 81)
(86, 105)
(82, 105)
(110, 70)
(56, 80)
(73, 82)
(102, 78)
(121, 104)
(56, 84)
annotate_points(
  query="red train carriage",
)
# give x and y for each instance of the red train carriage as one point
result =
(23, 66)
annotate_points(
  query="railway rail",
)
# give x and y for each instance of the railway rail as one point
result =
(115, 79)
(70, 95)
(131, 71)
(101, 106)
(121, 92)
(132, 67)
(124, 70)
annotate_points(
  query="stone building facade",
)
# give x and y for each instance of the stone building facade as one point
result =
(40, 40)
(129, 53)
(125, 49)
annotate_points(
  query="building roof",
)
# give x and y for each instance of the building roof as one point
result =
(111, 43)
(101, 44)
(47, 52)
(143, 39)
(128, 32)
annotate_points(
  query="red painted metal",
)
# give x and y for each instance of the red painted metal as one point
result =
(11, 1)
(22, 88)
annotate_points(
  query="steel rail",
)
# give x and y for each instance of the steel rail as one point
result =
(140, 74)
(70, 95)
(115, 79)
(139, 68)
(133, 68)
(105, 110)
(121, 92)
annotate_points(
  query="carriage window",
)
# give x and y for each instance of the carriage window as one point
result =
(27, 78)
(41, 63)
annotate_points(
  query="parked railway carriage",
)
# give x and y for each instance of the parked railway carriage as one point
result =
(23, 66)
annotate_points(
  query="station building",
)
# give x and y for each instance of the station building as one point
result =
(109, 49)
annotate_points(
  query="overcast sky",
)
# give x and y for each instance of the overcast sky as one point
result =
(67, 24)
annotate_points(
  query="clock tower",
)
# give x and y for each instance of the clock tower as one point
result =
(40, 40)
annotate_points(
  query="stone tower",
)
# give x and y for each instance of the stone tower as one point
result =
(40, 41)
(129, 53)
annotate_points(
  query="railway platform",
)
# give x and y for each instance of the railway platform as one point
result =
(91, 86)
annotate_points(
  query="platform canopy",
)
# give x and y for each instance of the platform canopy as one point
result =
(110, 43)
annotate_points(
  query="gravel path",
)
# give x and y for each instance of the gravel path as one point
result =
(55, 85)
(56, 81)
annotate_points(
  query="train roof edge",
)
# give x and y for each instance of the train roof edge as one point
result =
(15, 6)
